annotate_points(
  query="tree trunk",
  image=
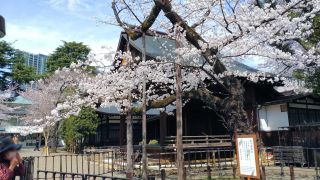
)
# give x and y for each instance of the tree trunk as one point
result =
(144, 119)
(46, 141)
(55, 136)
(129, 141)
(179, 144)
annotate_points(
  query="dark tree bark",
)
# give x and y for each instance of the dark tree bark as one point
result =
(144, 119)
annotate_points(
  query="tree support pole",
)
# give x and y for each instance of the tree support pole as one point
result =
(179, 144)
(130, 157)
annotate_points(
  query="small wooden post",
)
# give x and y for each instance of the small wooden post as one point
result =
(316, 162)
(263, 173)
(209, 172)
(163, 174)
(122, 136)
(291, 173)
(207, 139)
(163, 127)
(234, 170)
(184, 173)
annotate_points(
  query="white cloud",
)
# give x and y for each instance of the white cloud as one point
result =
(32, 38)
(37, 39)
(71, 5)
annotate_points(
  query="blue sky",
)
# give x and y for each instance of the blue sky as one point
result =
(38, 26)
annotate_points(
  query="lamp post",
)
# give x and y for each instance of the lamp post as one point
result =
(2, 27)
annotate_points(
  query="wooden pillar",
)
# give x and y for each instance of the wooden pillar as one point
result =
(163, 127)
(122, 133)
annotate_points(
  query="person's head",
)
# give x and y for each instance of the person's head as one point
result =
(8, 149)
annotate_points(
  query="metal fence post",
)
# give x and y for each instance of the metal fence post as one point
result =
(281, 162)
(112, 165)
(163, 174)
(316, 163)
(159, 160)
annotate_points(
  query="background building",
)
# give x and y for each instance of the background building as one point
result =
(16, 125)
(38, 61)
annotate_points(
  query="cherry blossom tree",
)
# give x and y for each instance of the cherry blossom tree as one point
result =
(146, 83)
(226, 30)
(210, 34)
(45, 95)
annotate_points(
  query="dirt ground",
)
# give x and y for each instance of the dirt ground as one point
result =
(272, 172)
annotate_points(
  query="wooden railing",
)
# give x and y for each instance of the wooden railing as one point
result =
(201, 141)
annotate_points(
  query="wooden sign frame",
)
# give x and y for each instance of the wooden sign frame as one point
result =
(254, 137)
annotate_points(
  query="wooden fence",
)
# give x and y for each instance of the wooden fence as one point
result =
(214, 141)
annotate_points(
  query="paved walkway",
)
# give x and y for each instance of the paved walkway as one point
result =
(71, 163)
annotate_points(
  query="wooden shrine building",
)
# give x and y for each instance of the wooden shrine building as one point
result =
(200, 124)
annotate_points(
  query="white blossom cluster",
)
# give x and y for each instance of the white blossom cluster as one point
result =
(46, 95)
(234, 29)
(239, 29)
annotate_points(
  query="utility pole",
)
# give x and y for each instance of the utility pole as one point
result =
(2, 27)
(144, 116)
(179, 144)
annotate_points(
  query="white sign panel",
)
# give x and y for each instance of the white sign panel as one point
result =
(247, 160)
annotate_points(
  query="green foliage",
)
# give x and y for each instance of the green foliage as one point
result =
(66, 54)
(6, 53)
(294, 14)
(313, 81)
(22, 73)
(75, 128)
(153, 142)
(87, 121)
(314, 38)
(68, 131)
(6, 56)
(12, 58)
(299, 74)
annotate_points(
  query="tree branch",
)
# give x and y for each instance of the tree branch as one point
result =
(193, 37)
(202, 94)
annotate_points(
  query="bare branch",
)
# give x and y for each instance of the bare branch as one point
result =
(203, 19)
(224, 18)
(132, 12)
(118, 19)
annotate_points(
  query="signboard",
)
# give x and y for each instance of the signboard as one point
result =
(247, 156)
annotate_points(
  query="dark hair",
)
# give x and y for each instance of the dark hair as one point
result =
(2, 160)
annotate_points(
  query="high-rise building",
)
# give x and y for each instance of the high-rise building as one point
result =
(38, 61)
